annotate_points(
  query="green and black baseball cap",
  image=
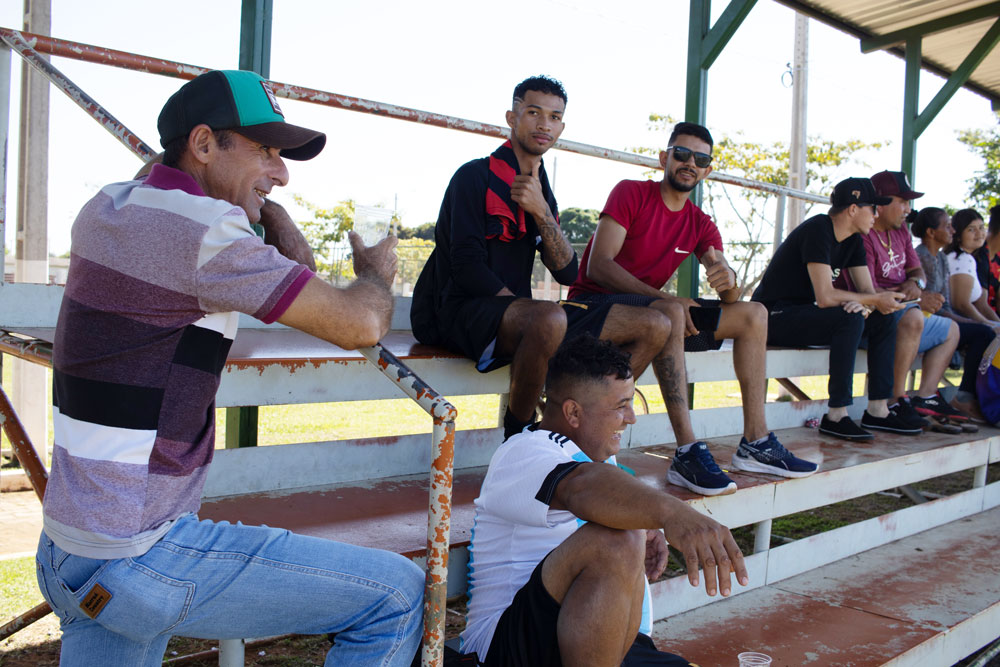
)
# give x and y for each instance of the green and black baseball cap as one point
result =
(240, 101)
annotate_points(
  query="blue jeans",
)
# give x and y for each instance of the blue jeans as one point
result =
(223, 581)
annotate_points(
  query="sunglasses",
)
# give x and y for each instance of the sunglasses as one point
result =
(682, 154)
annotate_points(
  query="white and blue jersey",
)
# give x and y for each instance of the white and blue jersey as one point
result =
(514, 527)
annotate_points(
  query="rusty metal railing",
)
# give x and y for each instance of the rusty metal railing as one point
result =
(439, 505)
(440, 410)
(26, 454)
(29, 45)
(439, 511)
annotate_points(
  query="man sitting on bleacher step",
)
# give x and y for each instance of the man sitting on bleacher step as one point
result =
(647, 228)
(806, 309)
(564, 542)
(474, 293)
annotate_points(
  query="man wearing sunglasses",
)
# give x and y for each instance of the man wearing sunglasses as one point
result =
(645, 231)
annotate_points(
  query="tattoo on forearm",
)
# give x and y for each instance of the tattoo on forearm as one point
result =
(557, 248)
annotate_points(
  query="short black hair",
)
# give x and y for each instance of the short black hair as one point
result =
(542, 84)
(175, 148)
(693, 130)
(588, 359)
(924, 220)
(959, 222)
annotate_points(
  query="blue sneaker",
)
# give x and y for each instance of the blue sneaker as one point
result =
(771, 457)
(697, 470)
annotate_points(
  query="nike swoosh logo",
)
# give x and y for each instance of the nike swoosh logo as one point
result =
(683, 252)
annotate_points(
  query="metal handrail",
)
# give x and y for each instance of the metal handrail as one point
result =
(24, 42)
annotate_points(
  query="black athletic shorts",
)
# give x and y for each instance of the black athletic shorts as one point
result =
(526, 634)
(705, 316)
(472, 325)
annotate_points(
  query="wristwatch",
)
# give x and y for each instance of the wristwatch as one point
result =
(920, 282)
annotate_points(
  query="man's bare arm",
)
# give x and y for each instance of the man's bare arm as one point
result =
(282, 233)
(352, 317)
(605, 271)
(606, 495)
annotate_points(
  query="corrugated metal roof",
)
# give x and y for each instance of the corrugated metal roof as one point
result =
(943, 51)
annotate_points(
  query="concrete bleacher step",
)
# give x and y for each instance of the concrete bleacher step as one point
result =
(930, 599)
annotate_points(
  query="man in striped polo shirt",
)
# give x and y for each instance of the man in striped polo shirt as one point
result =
(160, 269)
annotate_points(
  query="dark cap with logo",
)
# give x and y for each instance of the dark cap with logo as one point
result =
(240, 101)
(858, 191)
(889, 183)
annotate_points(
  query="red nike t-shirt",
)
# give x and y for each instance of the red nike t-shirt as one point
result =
(657, 239)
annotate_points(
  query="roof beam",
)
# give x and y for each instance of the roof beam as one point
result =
(723, 30)
(898, 51)
(959, 77)
(879, 42)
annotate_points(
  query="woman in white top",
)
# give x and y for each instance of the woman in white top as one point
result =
(967, 296)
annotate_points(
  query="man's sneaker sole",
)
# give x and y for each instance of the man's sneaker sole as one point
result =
(677, 479)
(751, 464)
(932, 412)
(852, 438)
(890, 429)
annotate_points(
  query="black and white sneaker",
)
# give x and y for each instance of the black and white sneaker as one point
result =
(845, 428)
(907, 413)
(891, 423)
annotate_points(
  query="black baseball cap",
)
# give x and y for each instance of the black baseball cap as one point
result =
(888, 183)
(240, 101)
(858, 191)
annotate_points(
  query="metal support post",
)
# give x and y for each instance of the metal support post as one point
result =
(979, 477)
(439, 510)
(911, 100)
(4, 135)
(241, 426)
(255, 36)
(762, 536)
(232, 652)
(799, 140)
(779, 223)
(31, 245)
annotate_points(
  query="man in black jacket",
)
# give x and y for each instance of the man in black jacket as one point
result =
(474, 294)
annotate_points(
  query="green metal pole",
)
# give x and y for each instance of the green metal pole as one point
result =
(255, 36)
(911, 99)
(255, 56)
(694, 112)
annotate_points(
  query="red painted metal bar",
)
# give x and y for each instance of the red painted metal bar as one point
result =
(439, 508)
(24, 620)
(132, 61)
(17, 42)
(37, 475)
(23, 449)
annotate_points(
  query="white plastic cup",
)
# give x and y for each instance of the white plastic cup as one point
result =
(751, 659)
(371, 223)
